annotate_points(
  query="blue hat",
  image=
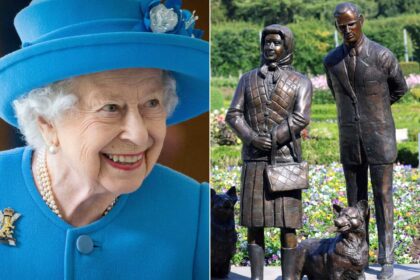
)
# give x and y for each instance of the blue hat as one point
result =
(68, 38)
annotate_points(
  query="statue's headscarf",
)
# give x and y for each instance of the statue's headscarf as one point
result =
(287, 36)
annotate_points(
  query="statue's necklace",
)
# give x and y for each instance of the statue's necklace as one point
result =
(45, 188)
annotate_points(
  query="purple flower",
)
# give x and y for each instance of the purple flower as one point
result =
(319, 82)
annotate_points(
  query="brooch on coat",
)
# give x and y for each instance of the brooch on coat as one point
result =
(7, 218)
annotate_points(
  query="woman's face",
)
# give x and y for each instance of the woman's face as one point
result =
(115, 133)
(273, 47)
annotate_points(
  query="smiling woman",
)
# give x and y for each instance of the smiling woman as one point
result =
(87, 186)
(104, 123)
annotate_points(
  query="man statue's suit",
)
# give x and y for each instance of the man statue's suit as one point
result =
(364, 105)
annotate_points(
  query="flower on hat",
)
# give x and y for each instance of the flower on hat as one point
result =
(162, 19)
(168, 17)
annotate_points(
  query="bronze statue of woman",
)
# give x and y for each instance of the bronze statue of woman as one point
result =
(270, 102)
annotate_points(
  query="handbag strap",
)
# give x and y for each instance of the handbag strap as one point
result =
(274, 143)
(295, 145)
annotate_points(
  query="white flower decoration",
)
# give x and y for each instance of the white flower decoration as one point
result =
(162, 19)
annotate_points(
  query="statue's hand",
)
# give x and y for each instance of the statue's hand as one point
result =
(262, 143)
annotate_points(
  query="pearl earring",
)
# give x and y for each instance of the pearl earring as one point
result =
(52, 149)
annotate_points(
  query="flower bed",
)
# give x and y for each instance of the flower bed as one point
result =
(320, 82)
(327, 186)
(221, 134)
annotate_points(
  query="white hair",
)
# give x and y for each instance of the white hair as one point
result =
(52, 101)
(170, 99)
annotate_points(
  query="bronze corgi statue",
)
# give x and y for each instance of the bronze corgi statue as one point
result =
(223, 233)
(343, 257)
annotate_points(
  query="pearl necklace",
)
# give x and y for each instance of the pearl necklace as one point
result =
(45, 188)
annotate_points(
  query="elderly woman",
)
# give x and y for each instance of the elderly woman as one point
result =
(92, 90)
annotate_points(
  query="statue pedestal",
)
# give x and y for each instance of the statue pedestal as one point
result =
(403, 271)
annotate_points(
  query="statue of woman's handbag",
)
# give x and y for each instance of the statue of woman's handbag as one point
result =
(289, 175)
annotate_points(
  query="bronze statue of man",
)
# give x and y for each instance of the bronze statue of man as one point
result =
(265, 99)
(365, 80)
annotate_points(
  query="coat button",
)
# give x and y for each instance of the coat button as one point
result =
(84, 244)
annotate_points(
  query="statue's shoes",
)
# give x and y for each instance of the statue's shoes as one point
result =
(387, 272)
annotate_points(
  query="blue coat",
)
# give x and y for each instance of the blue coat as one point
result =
(161, 231)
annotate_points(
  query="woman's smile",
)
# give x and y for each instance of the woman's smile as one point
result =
(125, 162)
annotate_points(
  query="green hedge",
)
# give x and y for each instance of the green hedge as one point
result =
(408, 153)
(389, 32)
(235, 48)
(282, 11)
(410, 67)
(414, 31)
(313, 40)
(229, 82)
(235, 45)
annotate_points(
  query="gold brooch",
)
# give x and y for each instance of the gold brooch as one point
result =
(7, 218)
